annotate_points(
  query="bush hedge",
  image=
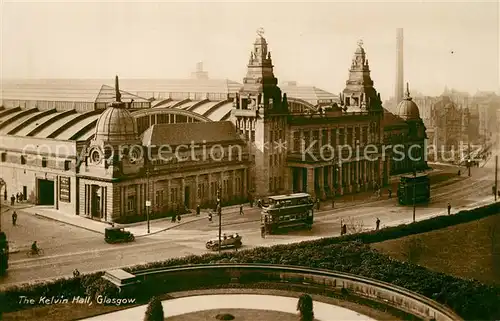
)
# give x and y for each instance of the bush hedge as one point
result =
(469, 298)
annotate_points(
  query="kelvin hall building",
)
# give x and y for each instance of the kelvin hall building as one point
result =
(111, 149)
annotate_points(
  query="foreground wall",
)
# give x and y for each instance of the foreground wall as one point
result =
(206, 276)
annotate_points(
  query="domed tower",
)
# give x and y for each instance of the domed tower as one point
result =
(359, 93)
(409, 112)
(116, 146)
(260, 112)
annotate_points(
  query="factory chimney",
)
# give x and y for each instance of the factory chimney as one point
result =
(399, 66)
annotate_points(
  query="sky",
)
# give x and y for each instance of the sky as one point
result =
(454, 44)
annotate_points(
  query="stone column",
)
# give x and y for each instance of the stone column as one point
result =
(330, 170)
(365, 174)
(339, 174)
(244, 192)
(310, 181)
(321, 183)
(169, 194)
(348, 176)
(357, 176)
(197, 188)
(233, 184)
(182, 195)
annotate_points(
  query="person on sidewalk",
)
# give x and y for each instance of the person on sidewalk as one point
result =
(12, 200)
(210, 217)
(241, 209)
(333, 202)
(449, 208)
(377, 224)
(198, 210)
(14, 218)
(390, 193)
(317, 204)
(179, 218)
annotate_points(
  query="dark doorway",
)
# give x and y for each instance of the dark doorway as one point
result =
(25, 193)
(187, 197)
(45, 192)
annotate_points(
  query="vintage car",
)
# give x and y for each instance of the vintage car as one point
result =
(117, 235)
(227, 242)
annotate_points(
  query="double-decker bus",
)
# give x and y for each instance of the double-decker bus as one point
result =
(285, 211)
(414, 186)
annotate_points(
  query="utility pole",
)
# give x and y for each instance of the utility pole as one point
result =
(219, 212)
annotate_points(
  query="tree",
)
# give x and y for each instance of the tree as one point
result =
(154, 311)
(305, 308)
(354, 226)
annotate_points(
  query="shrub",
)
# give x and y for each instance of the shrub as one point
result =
(154, 311)
(305, 308)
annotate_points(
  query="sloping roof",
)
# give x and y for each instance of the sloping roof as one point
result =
(67, 92)
(188, 133)
(312, 95)
(107, 95)
(392, 120)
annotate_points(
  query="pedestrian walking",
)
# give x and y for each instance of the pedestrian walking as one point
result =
(390, 193)
(449, 208)
(198, 210)
(333, 202)
(210, 217)
(21, 197)
(14, 218)
(12, 200)
(241, 209)
(343, 230)
(17, 197)
(179, 218)
(377, 224)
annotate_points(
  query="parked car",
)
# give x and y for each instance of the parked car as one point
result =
(117, 235)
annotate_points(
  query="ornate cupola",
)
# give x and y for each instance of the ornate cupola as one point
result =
(115, 148)
(116, 125)
(407, 109)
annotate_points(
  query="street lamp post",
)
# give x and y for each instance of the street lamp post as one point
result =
(414, 190)
(148, 201)
(219, 212)
(496, 177)
(2, 183)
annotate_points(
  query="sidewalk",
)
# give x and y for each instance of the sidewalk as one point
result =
(230, 214)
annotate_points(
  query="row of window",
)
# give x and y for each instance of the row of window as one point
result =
(345, 137)
(23, 160)
(275, 184)
(276, 160)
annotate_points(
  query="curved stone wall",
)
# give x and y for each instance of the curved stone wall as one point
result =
(202, 276)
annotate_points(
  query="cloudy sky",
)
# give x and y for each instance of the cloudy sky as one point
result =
(445, 43)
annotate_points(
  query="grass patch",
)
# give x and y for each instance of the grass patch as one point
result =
(469, 250)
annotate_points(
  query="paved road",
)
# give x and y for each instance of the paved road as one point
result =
(90, 253)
